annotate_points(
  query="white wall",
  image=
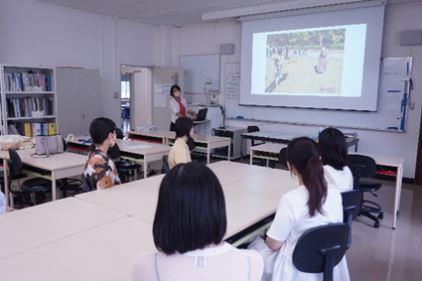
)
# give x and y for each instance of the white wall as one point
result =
(400, 15)
(36, 33)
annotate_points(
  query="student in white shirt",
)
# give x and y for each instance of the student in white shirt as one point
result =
(180, 152)
(333, 149)
(310, 205)
(188, 229)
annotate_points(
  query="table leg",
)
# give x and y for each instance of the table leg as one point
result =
(208, 154)
(145, 167)
(6, 181)
(251, 157)
(267, 162)
(399, 178)
(53, 186)
(241, 148)
(229, 151)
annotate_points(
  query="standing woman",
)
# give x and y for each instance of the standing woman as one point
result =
(100, 171)
(178, 106)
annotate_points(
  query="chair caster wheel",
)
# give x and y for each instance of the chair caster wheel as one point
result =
(376, 225)
(381, 216)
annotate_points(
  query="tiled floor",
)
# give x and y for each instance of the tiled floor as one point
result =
(386, 254)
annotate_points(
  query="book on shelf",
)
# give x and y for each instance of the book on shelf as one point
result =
(34, 129)
(30, 107)
(27, 81)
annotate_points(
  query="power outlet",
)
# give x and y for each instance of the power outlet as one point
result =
(116, 95)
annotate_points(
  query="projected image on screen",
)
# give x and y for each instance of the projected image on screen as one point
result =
(322, 61)
(305, 62)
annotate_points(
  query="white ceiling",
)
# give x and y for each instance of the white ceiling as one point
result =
(158, 12)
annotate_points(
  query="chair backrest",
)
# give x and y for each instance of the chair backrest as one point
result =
(252, 129)
(119, 133)
(362, 166)
(15, 163)
(321, 248)
(282, 158)
(351, 206)
(165, 168)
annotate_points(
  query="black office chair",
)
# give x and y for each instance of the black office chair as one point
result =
(67, 185)
(321, 248)
(125, 168)
(38, 186)
(363, 168)
(165, 168)
(253, 129)
(351, 205)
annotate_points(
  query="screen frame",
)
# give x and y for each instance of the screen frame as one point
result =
(372, 16)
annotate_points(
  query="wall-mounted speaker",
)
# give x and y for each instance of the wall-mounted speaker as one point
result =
(227, 49)
(411, 37)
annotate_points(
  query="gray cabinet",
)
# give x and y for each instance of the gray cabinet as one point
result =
(78, 99)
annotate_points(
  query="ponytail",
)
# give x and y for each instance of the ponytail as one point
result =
(303, 155)
(313, 179)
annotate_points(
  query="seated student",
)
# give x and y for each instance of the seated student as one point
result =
(180, 152)
(312, 204)
(100, 171)
(333, 149)
(189, 226)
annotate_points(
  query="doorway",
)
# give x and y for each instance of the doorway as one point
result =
(136, 96)
(418, 172)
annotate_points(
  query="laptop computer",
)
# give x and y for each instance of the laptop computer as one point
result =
(202, 114)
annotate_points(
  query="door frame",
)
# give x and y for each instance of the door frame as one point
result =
(132, 88)
(418, 169)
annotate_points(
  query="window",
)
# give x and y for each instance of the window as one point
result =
(125, 89)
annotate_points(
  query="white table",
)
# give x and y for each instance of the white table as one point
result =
(381, 160)
(103, 253)
(133, 150)
(228, 172)
(268, 151)
(33, 227)
(149, 152)
(151, 136)
(204, 143)
(62, 165)
(277, 137)
(129, 199)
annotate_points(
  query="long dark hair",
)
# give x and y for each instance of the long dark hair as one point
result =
(183, 127)
(174, 88)
(333, 148)
(191, 210)
(302, 154)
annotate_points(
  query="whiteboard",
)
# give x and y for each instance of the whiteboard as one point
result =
(201, 72)
(391, 114)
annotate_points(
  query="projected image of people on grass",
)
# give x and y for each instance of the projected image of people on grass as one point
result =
(305, 61)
